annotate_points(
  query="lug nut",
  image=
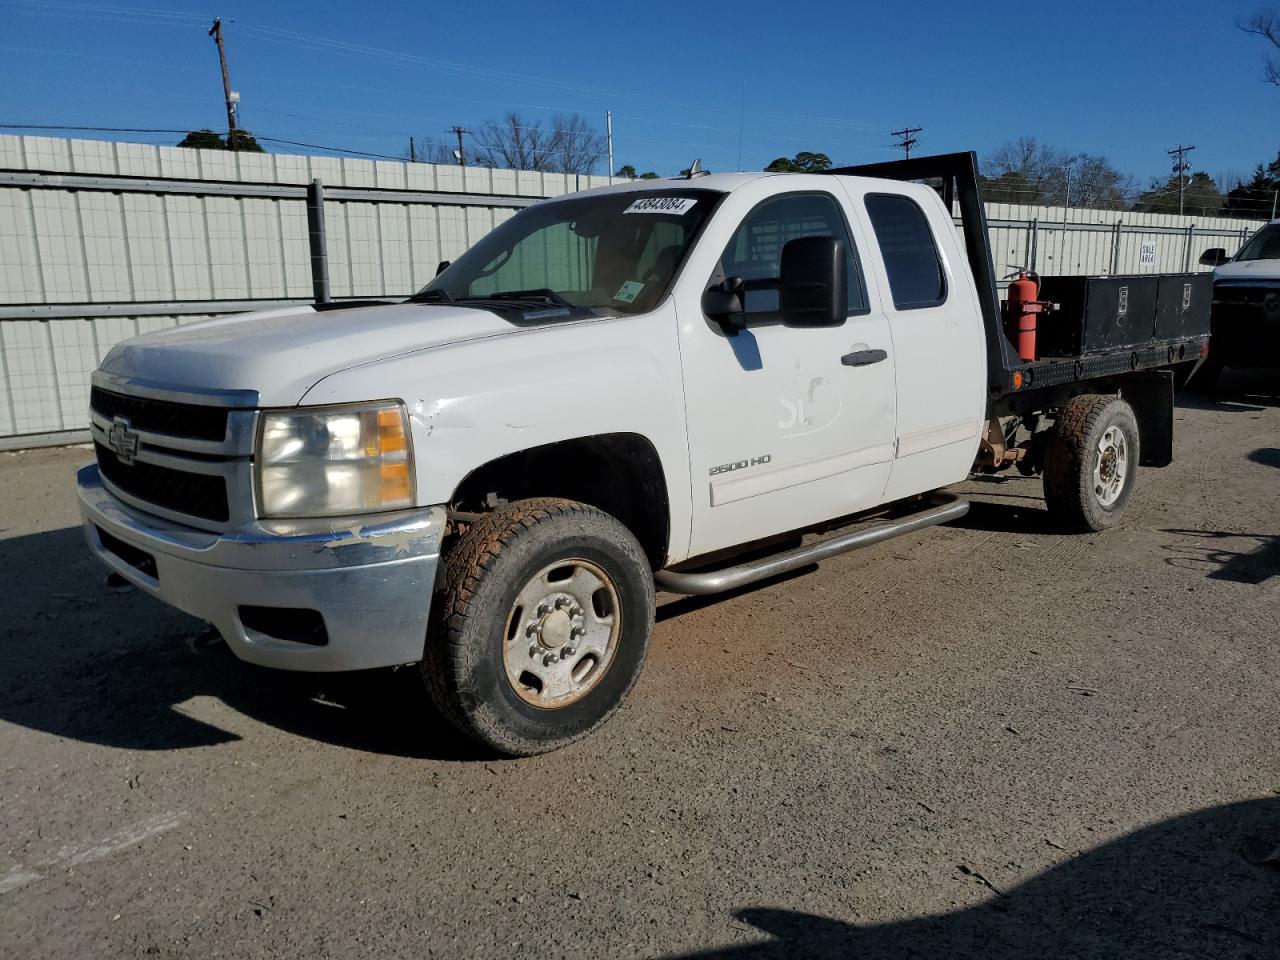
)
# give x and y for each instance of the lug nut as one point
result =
(533, 651)
(578, 631)
(549, 659)
(532, 629)
(576, 611)
(567, 652)
(561, 602)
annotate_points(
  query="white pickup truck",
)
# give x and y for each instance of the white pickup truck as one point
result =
(1246, 306)
(643, 382)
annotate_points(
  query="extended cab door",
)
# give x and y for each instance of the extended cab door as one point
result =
(937, 333)
(788, 426)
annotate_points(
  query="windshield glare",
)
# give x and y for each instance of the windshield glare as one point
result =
(1264, 245)
(609, 253)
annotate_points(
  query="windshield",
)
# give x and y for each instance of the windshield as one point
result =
(1263, 245)
(608, 253)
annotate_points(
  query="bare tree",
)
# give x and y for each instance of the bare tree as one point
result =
(1266, 24)
(1027, 171)
(513, 143)
(431, 150)
(567, 144)
(577, 145)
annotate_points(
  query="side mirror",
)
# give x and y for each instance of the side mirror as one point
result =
(811, 283)
(1214, 257)
(723, 302)
(442, 266)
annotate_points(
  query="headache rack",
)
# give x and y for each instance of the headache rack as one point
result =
(1155, 339)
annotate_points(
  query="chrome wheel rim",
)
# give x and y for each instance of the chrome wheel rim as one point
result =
(562, 633)
(1110, 466)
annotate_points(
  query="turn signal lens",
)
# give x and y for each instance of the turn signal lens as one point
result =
(1017, 380)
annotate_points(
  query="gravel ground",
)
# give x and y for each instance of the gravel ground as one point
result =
(981, 740)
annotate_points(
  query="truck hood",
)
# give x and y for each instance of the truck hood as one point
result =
(1249, 270)
(282, 353)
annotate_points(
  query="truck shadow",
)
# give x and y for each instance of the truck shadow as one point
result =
(1252, 566)
(1236, 391)
(1014, 513)
(1198, 886)
(121, 668)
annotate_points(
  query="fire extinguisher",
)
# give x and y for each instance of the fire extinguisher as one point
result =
(1020, 311)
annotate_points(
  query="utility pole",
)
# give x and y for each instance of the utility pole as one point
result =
(1180, 167)
(413, 151)
(1067, 168)
(462, 157)
(216, 32)
(608, 127)
(908, 141)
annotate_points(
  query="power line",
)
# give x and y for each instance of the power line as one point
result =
(908, 140)
(1180, 166)
(232, 98)
(462, 156)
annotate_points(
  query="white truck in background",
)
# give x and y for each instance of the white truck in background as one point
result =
(642, 382)
(1246, 306)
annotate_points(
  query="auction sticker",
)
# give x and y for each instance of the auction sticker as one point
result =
(676, 205)
(628, 292)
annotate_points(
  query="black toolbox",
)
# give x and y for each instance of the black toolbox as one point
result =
(1102, 314)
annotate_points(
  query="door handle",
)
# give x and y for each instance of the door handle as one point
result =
(862, 358)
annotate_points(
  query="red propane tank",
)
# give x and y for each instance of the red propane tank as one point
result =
(1021, 309)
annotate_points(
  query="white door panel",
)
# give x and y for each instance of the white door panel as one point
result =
(938, 338)
(782, 433)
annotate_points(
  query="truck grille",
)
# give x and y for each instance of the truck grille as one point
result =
(161, 416)
(197, 494)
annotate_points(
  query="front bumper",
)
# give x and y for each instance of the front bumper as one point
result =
(370, 579)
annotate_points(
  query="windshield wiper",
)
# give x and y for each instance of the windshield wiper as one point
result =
(543, 294)
(437, 295)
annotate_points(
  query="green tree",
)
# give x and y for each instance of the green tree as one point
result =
(245, 143)
(202, 140)
(1256, 196)
(802, 162)
(1200, 196)
(208, 140)
(648, 175)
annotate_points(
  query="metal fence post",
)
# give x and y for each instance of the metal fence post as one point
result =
(1035, 242)
(1115, 248)
(1186, 247)
(319, 251)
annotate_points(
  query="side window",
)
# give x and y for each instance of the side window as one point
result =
(910, 254)
(756, 248)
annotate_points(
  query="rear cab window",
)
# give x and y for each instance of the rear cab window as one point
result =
(909, 251)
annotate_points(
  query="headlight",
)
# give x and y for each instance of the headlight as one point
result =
(333, 461)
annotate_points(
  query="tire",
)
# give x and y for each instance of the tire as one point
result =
(1091, 462)
(503, 661)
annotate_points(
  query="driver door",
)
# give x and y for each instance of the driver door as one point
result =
(788, 426)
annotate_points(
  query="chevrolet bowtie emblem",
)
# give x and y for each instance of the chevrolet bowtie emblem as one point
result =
(122, 440)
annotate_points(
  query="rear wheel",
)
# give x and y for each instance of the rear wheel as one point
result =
(1091, 462)
(543, 626)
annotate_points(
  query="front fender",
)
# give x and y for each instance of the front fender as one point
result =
(473, 402)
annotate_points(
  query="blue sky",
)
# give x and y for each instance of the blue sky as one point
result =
(1128, 80)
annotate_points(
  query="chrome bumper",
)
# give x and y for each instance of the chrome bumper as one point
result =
(370, 579)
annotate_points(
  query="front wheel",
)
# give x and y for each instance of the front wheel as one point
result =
(1091, 462)
(543, 625)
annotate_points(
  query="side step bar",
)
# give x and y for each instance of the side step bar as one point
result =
(943, 508)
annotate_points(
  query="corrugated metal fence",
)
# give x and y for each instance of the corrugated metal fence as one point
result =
(100, 241)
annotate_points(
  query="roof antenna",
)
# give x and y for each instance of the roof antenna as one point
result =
(695, 170)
